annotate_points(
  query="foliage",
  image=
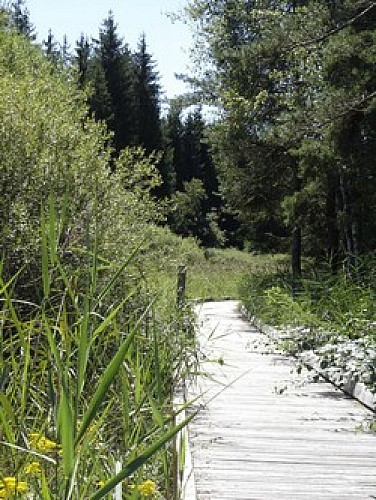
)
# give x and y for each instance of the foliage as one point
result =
(83, 342)
(187, 214)
(215, 274)
(196, 207)
(79, 371)
(124, 89)
(330, 314)
(47, 146)
(323, 298)
(294, 143)
(147, 100)
(50, 146)
(21, 19)
(211, 273)
(114, 58)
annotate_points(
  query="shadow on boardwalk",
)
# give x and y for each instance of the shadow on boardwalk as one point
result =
(266, 432)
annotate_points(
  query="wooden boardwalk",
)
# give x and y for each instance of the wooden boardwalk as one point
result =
(266, 432)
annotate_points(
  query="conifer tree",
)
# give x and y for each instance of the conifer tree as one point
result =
(51, 48)
(296, 88)
(21, 19)
(118, 68)
(100, 100)
(147, 92)
(172, 148)
(82, 58)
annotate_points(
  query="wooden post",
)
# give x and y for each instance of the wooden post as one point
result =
(118, 493)
(181, 286)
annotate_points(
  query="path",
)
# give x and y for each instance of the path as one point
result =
(266, 432)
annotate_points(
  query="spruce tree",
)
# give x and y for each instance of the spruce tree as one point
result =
(51, 48)
(82, 59)
(21, 19)
(147, 99)
(116, 61)
(172, 128)
(100, 101)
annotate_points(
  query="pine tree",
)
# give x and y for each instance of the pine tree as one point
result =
(297, 89)
(82, 58)
(21, 19)
(116, 61)
(51, 48)
(147, 99)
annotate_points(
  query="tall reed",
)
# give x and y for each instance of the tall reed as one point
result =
(85, 379)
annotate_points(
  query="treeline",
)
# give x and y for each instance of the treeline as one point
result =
(292, 153)
(124, 92)
(296, 146)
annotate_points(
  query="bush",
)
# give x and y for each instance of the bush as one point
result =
(341, 304)
(86, 343)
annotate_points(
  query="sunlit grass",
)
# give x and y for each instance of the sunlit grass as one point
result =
(218, 273)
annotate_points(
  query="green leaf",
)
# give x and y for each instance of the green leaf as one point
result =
(52, 231)
(158, 417)
(45, 262)
(140, 460)
(108, 319)
(107, 378)
(115, 277)
(45, 489)
(7, 417)
(66, 427)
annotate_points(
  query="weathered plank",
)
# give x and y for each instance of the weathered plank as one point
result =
(266, 432)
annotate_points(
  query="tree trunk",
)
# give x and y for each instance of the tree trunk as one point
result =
(296, 235)
(296, 253)
(350, 227)
(332, 238)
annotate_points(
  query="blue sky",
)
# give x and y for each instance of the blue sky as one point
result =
(168, 42)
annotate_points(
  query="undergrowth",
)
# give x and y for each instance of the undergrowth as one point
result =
(86, 378)
(332, 314)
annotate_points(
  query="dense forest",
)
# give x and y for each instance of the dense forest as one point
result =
(123, 91)
(295, 145)
(290, 160)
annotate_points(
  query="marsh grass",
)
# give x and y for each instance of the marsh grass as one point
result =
(331, 315)
(86, 379)
(218, 273)
(212, 274)
(342, 303)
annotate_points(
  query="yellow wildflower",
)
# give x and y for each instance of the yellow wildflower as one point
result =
(10, 486)
(43, 444)
(33, 468)
(147, 488)
(100, 484)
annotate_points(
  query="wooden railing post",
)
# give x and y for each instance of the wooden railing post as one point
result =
(182, 272)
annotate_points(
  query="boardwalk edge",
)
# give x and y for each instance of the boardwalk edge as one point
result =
(185, 480)
(356, 390)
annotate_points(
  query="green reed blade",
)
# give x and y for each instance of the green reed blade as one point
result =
(115, 277)
(7, 418)
(111, 316)
(107, 378)
(66, 428)
(45, 261)
(140, 460)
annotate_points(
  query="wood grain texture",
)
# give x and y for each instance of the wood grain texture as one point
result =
(264, 431)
